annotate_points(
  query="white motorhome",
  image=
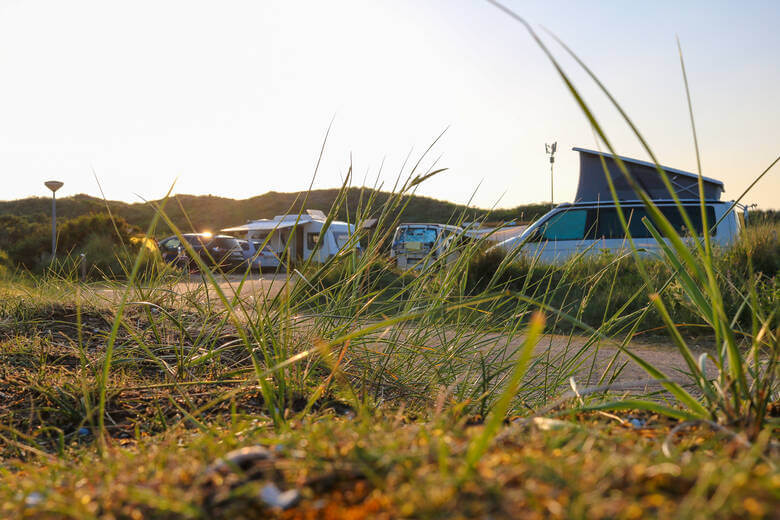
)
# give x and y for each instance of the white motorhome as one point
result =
(591, 225)
(301, 234)
(416, 245)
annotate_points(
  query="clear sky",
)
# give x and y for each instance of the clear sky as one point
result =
(234, 98)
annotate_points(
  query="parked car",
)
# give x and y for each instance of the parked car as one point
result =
(219, 251)
(258, 259)
(264, 257)
(593, 228)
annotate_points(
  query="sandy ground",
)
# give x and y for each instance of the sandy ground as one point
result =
(657, 351)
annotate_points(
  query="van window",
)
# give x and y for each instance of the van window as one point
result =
(605, 222)
(567, 225)
(311, 240)
(417, 234)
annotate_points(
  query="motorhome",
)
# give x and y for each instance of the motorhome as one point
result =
(591, 224)
(417, 245)
(298, 235)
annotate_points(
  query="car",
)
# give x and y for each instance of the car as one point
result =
(220, 251)
(263, 258)
(594, 227)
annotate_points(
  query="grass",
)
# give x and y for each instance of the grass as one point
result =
(490, 387)
(589, 467)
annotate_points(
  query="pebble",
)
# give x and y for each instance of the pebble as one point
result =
(274, 497)
(240, 458)
(33, 499)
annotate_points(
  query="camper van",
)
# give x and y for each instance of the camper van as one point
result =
(591, 225)
(417, 245)
(301, 234)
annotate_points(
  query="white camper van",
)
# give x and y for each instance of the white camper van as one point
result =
(416, 245)
(301, 234)
(592, 226)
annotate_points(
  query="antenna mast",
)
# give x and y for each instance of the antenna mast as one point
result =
(550, 150)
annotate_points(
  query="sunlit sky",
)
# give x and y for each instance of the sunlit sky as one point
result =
(234, 98)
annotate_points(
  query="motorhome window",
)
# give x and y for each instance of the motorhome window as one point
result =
(417, 234)
(341, 239)
(567, 225)
(311, 240)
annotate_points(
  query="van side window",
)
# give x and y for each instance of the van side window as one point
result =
(694, 213)
(311, 240)
(567, 225)
(605, 222)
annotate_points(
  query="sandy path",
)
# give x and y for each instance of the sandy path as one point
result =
(658, 351)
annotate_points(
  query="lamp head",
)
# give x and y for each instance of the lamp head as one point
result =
(53, 185)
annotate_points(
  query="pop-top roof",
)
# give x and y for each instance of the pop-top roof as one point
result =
(593, 184)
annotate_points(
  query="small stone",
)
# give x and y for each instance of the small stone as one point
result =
(273, 497)
(547, 424)
(241, 458)
(33, 499)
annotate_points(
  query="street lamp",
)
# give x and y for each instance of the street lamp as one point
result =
(53, 186)
(550, 150)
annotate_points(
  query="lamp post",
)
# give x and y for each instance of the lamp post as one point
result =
(53, 186)
(550, 149)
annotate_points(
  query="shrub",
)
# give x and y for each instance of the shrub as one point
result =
(5, 264)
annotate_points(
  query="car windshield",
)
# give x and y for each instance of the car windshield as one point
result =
(196, 240)
(417, 234)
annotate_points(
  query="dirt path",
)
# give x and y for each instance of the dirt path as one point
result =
(659, 352)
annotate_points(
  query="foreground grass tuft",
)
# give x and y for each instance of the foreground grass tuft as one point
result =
(588, 466)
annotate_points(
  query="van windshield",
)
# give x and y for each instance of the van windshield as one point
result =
(417, 234)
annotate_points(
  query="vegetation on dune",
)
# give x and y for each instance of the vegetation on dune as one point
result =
(351, 391)
(208, 212)
(109, 245)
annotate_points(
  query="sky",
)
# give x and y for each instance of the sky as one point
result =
(235, 98)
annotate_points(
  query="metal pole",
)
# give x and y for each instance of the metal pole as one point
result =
(53, 225)
(53, 186)
(552, 198)
(550, 150)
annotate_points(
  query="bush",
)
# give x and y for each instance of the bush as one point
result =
(97, 235)
(5, 264)
(759, 245)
